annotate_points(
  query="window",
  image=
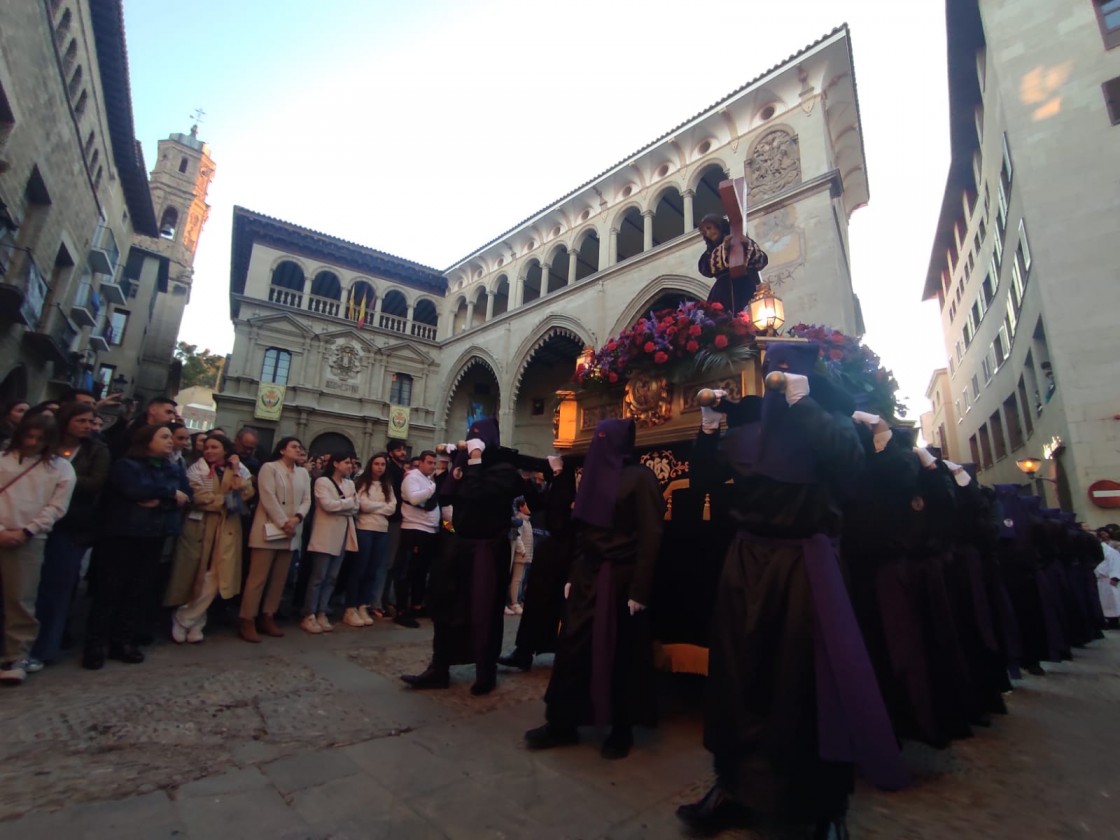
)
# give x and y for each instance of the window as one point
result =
(975, 386)
(105, 375)
(967, 401)
(1108, 18)
(183, 165)
(960, 352)
(118, 321)
(1001, 211)
(400, 391)
(1002, 344)
(1011, 321)
(957, 405)
(1111, 90)
(168, 222)
(1014, 427)
(974, 448)
(986, 369)
(997, 253)
(1024, 247)
(276, 365)
(999, 443)
(1008, 168)
(1025, 403)
(1017, 285)
(985, 447)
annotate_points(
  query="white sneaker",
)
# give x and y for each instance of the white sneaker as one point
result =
(32, 665)
(509, 611)
(178, 631)
(310, 625)
(13, 673)
(518, 609)
(351, 618)
(324, 624)
(363, 614)
(194, 635)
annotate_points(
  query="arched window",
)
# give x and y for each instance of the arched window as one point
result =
(631, 234)
(276, 365)
(501, 296)
(707, 194)
(183, 165)
(287, 284)
(360, 303)
(557, 271)
(394, 312)
(168, 222)
(588, 262)
(400, 390)
(668, 217)
(532, 282)
(326, 294)
(425, 320)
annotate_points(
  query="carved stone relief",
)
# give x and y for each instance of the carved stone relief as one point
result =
(774, 164)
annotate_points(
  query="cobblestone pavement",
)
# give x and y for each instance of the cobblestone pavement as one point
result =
(314, 737)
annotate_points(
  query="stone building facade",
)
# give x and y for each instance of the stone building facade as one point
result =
(355, 331)
(1023, 261)
(83, 279)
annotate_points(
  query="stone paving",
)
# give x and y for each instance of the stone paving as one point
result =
(314, 737)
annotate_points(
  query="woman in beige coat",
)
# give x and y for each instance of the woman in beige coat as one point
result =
(208, 554)
(332, 535)
(284, 491)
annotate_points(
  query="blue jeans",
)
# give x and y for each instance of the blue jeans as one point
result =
(368, 578)
(320, 587)
(62, 562)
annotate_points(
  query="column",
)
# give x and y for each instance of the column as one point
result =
(517, 293)
(688, 221)
(470, 316)
(489, 305)
(573, 266)
(647, 230)
(546, 270)
(612, 247)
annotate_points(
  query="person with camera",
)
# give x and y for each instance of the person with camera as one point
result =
(209, 551)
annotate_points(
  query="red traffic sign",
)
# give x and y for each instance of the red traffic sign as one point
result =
(1105, 493)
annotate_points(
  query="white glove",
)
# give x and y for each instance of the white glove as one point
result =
(882, 432)
(567, 590)
(475, 443)
(867, 419)
(557, 464)
(449, 448)
(927, 460)
(710, 419)
(797, 386)
(635, 607)
(960, 476)
(720, 394)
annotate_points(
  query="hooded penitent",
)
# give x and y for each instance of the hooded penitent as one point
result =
(612, 448)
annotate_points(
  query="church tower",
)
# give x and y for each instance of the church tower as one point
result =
(179, 183)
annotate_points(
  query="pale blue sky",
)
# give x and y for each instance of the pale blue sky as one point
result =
(427, 129)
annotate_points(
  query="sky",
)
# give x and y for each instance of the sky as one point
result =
(426, 129)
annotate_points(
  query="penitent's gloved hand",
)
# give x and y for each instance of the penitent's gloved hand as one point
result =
(797, 386)
(557, 464)
(881, 432)
(710, 419)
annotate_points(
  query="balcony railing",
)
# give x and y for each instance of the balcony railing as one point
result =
(104, 255)
(56, 337)
(114, 292)
(334, 308)
(87, 305)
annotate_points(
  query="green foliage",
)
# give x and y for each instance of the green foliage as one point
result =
(199, 367)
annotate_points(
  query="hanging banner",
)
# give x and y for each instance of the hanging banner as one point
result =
(270, 401)
(398, 421)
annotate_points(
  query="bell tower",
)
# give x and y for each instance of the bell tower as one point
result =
(178, 185)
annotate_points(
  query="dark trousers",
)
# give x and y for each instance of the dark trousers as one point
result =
(410, 571)
(62, 563)
(123, 579)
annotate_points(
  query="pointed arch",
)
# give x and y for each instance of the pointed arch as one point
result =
(553, 326)
(668, 284)
(474, 356)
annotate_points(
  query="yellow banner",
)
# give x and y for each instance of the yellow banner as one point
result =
(270, 401)
(398, 421)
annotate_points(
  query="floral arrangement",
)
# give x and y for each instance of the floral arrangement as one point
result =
(854, 367)
(677, 343)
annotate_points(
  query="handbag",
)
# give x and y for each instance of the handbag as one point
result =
(272, 532)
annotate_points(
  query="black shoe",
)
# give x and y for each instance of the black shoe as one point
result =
(431, 678)
(484, 682)
(831, 830)
(618, 743)
(406, 620)
(715, 813)
(126, 653)
(93, 659)
(550, 735)
(1035, 671)
(517, 659)
(144, 639)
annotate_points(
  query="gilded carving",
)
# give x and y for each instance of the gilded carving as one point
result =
(649, 400)
(774, 164)
(664, 465)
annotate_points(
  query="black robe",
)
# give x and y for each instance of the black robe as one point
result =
(627, 552)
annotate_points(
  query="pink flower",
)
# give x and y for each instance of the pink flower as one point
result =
(660, 357)
(720, 341)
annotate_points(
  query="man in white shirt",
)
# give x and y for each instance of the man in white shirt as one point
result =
(419, 523)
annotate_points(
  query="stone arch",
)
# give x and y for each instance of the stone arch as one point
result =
(472, 358)
(480, 295)
(668, 215)
(286, 283)
(501, 295)
(631, 233)
(774, 161)
(557, 270)
(705, 189)
(588, 248)
(394, 311)
(533, 282)
(459, 316)
(553, 325)
(668, 284)
(330, 440)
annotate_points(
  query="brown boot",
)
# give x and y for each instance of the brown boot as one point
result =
(248, 630)
(267, 625)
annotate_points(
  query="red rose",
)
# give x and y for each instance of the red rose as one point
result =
(660, 358)
(720, 341)
(694, 330)
(612, 377)
(692, 347)
(717, 307)
(649, 347)
(672, 331)
(611, 346)
(838, 338)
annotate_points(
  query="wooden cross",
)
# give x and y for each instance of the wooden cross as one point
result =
(733, 193)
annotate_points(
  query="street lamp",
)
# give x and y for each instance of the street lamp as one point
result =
(767, 312)
(1030, 468)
